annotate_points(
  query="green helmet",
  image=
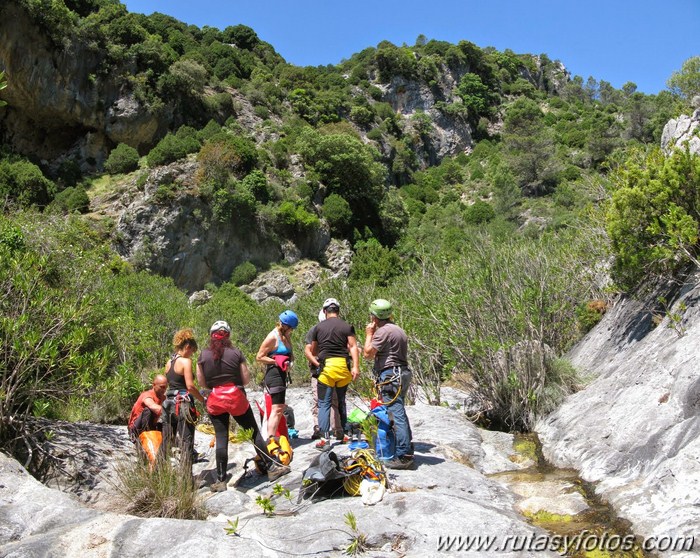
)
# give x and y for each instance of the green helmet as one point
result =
(381, 309)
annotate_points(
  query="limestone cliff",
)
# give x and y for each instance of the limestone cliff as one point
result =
(57, 107)
(635, 430)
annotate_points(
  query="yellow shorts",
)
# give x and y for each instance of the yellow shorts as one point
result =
(335, 372)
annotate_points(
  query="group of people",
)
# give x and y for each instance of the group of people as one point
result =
(222, 373)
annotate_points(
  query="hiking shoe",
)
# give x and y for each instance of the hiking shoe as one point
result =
(317, 434)
(219, 486)
(276, 471)
(403, 462)
(323, 444)
(341, 436)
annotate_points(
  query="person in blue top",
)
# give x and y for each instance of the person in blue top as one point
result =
(277, 355)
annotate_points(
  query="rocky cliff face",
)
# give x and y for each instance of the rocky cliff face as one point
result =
(57, 108)
(681, 130)
(178, 237)
(635, 430)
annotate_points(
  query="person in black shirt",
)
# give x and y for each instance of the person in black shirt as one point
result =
(335, 353)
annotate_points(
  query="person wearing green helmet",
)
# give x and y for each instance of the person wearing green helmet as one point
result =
(387, 344)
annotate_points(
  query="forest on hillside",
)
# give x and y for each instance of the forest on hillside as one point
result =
(497, 257)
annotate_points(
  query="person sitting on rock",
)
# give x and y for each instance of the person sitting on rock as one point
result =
(147, 410)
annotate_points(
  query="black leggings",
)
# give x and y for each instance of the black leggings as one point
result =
(180, 430)
(221, 424)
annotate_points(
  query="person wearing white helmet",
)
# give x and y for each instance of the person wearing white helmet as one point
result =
(334, 350)
(222, 368)
(387, 344)
(335, 416)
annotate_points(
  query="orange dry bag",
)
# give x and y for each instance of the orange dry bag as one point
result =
(151, 441)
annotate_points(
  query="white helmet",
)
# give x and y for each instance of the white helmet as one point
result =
(331, 302)
(221, 324)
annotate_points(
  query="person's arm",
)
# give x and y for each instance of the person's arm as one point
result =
(152, 405)
(201, 380)
(189, 380)
(313, 352)
(245, 374)
(308, 354)
(368, 351)
(355, 355)
(267, 346)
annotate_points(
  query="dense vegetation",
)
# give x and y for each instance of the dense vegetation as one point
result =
(494, 258)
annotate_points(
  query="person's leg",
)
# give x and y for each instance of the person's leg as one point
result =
(342, 408)
(220, 423)
(185, 436)
(314, 408)
(336, 424)
(247, 421)
(325, 395)
(394, 392)
(276, 411)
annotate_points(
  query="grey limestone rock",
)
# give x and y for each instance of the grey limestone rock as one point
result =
(635, 430)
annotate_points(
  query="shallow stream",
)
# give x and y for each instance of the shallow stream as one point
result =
(559, 501)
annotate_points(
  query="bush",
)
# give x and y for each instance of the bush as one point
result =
(225, 155)
(479, 212)
(243, 274)
(338, 213)
(169, 149)
(23, 183)
(122, 159)
(653, 219)
(161, 491)
(293, 220)
(72, 200)
(374, 262)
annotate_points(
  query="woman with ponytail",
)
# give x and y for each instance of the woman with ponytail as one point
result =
(223, 369)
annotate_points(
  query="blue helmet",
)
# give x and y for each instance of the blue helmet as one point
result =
(289, 318)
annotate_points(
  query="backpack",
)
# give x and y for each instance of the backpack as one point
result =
(280, 449)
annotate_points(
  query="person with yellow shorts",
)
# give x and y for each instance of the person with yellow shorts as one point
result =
(338, 362)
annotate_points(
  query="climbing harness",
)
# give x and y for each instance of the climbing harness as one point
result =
(393, 380)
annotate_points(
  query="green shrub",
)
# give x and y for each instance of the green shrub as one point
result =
(234, 203)
(374, 262)
(71, 200)
(225, 155)
(479, 212)
(243, 274)
(23, 182)
(338, 213)
(169, 149)
(653, 217)
(293, 220)
(122, 159)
